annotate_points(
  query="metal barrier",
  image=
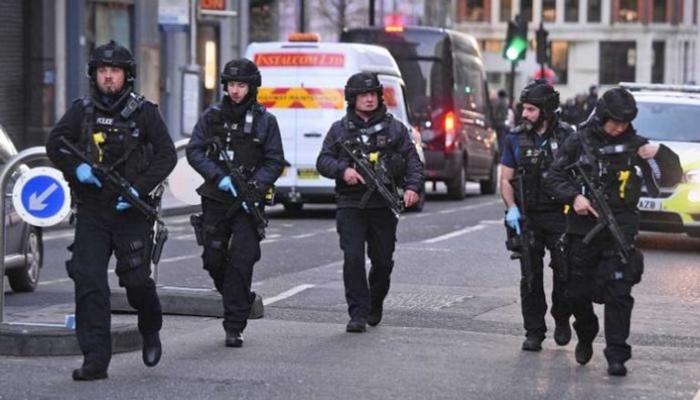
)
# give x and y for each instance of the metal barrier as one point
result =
(23, 157)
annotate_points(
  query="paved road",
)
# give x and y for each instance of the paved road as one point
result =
(452, 327)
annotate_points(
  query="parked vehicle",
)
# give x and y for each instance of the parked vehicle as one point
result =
(670, 114)
(303, 86)
(447, 92)
(24, 249)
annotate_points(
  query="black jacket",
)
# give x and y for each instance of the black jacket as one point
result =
(159, 162)
(332, 161)
(265, 129)
(562, 184)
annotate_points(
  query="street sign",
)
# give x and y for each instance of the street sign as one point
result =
(41, 197)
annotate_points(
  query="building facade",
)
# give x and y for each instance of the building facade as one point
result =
(593, 42)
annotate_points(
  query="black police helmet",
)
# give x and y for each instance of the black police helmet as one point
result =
(617, 104)
(115, 55)
(363, 82)
(541, 95)
(241, 70)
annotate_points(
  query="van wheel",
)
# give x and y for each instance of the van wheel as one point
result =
(456, 188)
(489, 186)
(27, 279)
(293, 208)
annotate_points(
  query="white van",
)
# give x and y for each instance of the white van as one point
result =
(303, 86)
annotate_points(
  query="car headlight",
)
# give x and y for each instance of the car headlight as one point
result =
(692, 176)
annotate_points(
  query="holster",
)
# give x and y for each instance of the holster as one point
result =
(161, 237)
(197, 223)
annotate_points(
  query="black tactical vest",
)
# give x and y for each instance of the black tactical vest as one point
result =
(377, 142)
(533, 163)
(114, 139)
(238, 139)
(615, 173)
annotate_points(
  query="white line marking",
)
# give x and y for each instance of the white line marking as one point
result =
(189, 236)
(697, 395)
(54, 281)
(188, 289)
(58, 235)
(289, 293)
(305, 235)
(179, 258)
(109, 271)
(454, 234)
(37, 324)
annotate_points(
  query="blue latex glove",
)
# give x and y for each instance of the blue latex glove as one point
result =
(85, 175)
(226, 185)
(123, 204)
(513, 219)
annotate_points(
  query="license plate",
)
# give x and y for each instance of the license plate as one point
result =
(307, 173)
(648, 204)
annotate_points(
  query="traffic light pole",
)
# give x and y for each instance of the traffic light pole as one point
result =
(511, 84)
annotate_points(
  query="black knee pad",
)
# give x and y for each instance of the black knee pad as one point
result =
(133, 268)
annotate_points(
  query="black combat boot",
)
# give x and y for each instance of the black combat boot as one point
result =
(532, 343)
(356, 325)
(89, 372)
(375, 315)
(616, 368)
(562, 333)
(152, 349)
(584, 352)
(234, 339)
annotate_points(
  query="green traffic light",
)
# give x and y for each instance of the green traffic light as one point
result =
(515, 48)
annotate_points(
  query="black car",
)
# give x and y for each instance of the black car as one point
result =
(24, 249)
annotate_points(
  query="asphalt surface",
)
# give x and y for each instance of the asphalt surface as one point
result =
(452, 326)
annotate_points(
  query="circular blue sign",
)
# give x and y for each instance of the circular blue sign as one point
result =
(43, 196)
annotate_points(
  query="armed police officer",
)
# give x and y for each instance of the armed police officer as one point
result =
(599, 172)
(119, 131)
(535, 219)
(236, 146)
(369, 154)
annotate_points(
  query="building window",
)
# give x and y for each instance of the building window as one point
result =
(594, 9)
(112, 21)
(560, 60)
(549, 10)
(657, 67)
(526, 10)
(659, 14)
(505, 10)
(492, 46)
(628, 11)
(571, 11)
(617, 62)
(471, 11)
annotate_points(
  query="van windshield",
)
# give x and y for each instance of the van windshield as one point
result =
(419, 54)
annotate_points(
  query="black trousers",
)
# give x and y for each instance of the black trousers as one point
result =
(547, 228)
(231, 249)
(99, 231)
(592, 279)
(377, 228)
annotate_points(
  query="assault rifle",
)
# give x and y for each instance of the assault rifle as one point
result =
(249, 194)
(521, 245)
(606, 218)
(375, 179)
(111, 177)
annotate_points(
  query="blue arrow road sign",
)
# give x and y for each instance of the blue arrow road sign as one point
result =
(41, 196)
